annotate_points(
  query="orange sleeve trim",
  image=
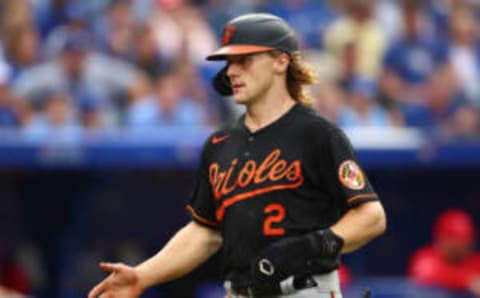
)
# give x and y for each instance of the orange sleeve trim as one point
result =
(362, 196)
(199, 218)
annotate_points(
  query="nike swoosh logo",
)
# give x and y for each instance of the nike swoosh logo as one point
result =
(216, 140)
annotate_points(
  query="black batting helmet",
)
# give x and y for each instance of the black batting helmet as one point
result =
(255, 33)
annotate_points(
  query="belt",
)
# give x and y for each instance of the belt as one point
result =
(285, 287)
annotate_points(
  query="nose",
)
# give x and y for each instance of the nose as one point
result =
(233, 70)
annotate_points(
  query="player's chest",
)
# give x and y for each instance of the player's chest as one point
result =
(256, 164)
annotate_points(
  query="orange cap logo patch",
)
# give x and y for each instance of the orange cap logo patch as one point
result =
(351, 175)
(227, 34)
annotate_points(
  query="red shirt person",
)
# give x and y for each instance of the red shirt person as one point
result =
(450, 261)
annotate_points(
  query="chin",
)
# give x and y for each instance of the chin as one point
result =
(239, 99)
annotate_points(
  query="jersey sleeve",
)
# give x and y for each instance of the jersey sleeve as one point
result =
(202, 203)
(341, 171)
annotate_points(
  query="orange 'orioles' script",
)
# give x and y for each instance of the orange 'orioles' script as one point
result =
(272, 169)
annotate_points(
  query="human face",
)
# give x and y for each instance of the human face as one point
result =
(251, 76)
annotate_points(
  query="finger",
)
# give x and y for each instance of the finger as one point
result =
(110, 267)
(98, 289)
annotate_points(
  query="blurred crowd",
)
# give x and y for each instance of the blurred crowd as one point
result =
(70, 67)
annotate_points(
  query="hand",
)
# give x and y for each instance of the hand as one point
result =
(5, 292)
(474, 285)
(123, 282)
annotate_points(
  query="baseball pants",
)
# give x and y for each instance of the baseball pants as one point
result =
(328, 286)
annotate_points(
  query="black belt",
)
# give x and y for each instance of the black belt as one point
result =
(285, 287)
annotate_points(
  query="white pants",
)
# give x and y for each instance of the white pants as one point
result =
(328, 286)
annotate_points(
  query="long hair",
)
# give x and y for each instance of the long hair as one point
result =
(299, 76)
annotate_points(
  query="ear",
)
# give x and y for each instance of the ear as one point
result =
(281, 63)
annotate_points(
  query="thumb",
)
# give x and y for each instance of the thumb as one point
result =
(111, 267)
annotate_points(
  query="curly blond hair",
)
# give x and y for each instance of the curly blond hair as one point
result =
(299, 76)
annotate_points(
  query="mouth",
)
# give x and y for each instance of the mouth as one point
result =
(237, 86)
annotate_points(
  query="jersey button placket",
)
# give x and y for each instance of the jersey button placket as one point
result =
(250, 140)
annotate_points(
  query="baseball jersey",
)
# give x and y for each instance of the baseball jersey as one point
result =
(294, 176)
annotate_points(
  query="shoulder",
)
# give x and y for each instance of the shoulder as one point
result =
(424, 256)
(314, 125)
(310, 117)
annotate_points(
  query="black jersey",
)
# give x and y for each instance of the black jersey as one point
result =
(294, 176)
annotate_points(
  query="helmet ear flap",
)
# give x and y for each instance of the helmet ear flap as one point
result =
(221, 83)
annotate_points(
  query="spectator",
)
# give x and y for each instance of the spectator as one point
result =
(168, 107)
(194, 87)
(219, 12)
(185, 29)
(449, 262)
(8, 111)
(465, 123)
(14, 14)
(76, 20)
(389, 16)
(363, 109)
(443, 99)
(114, 32)
(91, 113)
(55, 121)
(330, 101)
(309, 18)
(413, 58)
(441, 11)
(465, 52)
(356, 41)
(80, 70)
(22, 48)
(345, 275)
(147, 55)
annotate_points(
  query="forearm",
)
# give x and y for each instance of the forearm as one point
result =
(360, 225)
(189, 248)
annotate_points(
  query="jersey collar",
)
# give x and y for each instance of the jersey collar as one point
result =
(279, 123)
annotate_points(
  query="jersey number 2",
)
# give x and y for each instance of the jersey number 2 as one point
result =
(276, 214)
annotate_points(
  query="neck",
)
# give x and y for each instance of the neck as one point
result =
(266, 111)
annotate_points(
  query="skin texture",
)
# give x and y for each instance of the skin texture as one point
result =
(190, 247)
(259, 83)
(360, 225)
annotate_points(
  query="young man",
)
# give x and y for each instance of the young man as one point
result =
(280, 189)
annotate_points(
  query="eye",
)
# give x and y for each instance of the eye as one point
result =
(246, 59)
(242, 60)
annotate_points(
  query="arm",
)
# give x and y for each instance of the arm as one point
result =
(189, 248)
(321, 248)
(360, 225)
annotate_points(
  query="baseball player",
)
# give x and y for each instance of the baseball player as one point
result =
(280, 189)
